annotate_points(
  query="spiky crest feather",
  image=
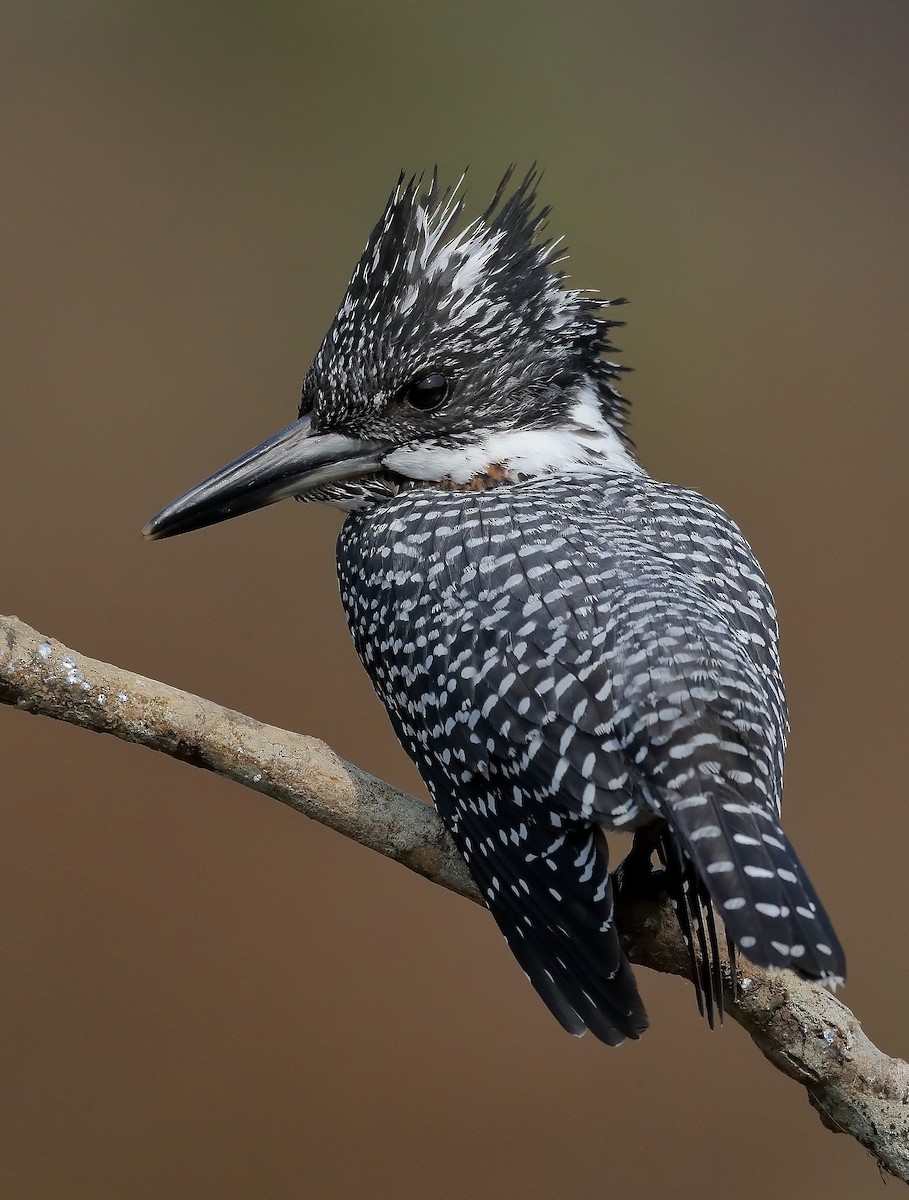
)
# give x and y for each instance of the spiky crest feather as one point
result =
(486, 302)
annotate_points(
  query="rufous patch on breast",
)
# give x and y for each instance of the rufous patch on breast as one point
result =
(494, 474)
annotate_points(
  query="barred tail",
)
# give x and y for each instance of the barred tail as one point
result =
(757, 884)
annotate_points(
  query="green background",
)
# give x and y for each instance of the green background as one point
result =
(202, 994)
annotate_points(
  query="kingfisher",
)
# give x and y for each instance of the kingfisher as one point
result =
(565, 645)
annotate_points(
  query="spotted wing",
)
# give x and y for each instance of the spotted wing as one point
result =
(550, 892)
(611, 694)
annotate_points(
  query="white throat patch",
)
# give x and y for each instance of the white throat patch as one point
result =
(586, 440)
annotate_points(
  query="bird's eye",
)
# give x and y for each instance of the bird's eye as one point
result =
(427, 393)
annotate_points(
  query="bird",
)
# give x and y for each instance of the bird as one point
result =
(565, 645)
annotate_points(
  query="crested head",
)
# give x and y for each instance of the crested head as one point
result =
(459, 358)
(462, 345)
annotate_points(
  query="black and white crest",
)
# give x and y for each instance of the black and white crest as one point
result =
(485, 305)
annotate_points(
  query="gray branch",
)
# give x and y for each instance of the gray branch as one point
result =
(806, 1033)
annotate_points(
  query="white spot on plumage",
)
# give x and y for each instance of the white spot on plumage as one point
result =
(720, 867)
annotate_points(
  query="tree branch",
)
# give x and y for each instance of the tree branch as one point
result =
(801, 1028)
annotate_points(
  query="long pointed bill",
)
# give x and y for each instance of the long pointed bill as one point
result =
(292, 463)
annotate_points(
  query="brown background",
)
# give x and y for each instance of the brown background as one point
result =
(204, 995)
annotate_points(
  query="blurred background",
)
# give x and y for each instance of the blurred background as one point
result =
(204, 995)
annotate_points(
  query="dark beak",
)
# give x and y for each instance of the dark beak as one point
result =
(292, 463)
